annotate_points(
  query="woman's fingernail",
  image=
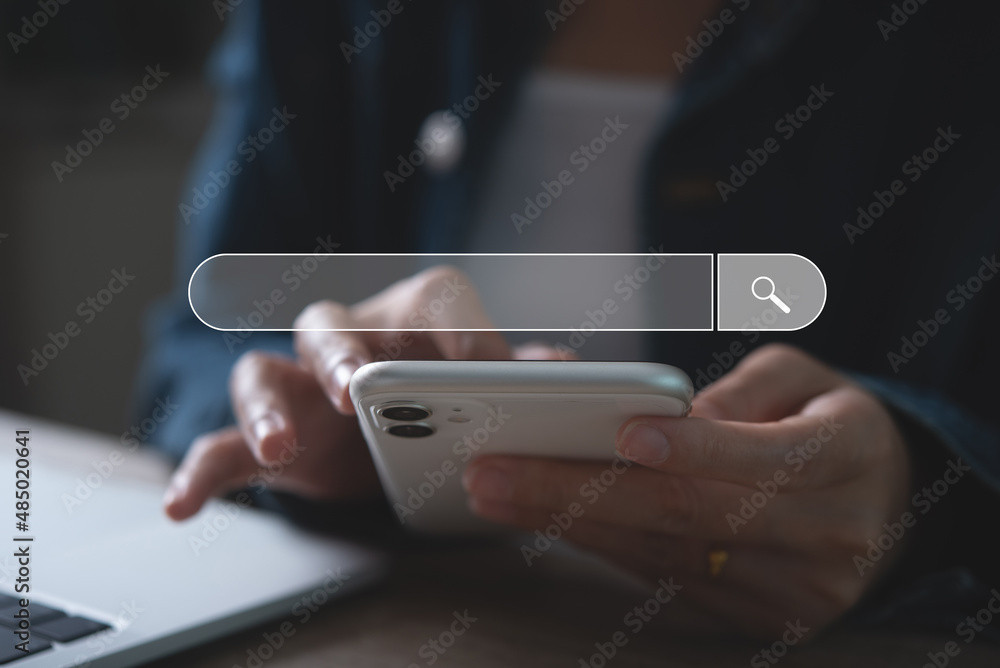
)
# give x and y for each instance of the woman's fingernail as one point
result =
(268, 425)
(644, 444)
(487, 482)
(172, 494)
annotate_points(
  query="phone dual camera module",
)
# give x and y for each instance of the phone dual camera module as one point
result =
(410, 417)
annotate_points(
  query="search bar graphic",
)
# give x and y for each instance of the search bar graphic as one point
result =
(540, 292)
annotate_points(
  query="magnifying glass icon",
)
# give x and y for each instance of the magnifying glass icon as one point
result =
(769, 295)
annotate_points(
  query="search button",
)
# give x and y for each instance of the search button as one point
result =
(779, 292)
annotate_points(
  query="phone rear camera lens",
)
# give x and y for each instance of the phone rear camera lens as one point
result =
(405, 413)
(411, 430)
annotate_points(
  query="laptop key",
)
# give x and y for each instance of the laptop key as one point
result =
(8, 651)
(39, 613)
(65, 629)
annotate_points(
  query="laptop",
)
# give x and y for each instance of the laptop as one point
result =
(113, 582)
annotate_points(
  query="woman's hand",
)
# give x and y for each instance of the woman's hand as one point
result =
(781, 475)
(296, 429)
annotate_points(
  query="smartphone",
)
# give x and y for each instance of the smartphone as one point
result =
(424, 421)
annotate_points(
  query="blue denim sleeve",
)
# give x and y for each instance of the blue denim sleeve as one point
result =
(187, 364)
(964, 435)
(949, 573)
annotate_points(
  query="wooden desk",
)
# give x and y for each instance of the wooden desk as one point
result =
(550, 614)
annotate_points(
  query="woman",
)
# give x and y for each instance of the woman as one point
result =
(855, 134)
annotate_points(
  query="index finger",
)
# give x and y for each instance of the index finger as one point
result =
(216, 462)
(440, 301)
(331, 356)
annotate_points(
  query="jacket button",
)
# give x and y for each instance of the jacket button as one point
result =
(442, 141)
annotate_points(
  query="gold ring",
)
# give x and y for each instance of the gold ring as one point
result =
(716, 561)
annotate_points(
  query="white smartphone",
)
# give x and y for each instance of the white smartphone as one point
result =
(425, 420)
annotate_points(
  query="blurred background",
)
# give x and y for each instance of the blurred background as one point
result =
(60, 241)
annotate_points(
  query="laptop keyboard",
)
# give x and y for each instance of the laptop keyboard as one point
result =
(48, 625)
(10, 653)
